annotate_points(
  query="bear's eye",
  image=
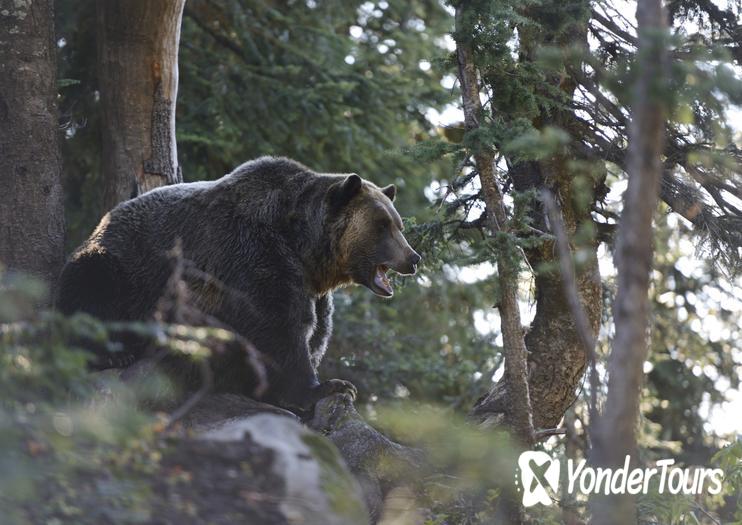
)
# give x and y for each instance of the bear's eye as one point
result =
(382, 226)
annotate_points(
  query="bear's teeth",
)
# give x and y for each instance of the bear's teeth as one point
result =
(381, 281)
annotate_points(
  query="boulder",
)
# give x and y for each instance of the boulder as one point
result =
(248, 462)
(378, 463)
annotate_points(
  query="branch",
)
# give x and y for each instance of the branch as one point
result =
(722, 230)
(207, 377)
(613, 27)
(544, 433)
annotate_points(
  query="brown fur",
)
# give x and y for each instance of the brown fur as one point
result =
(277, 239)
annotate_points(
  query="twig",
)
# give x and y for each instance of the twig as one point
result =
(708, 515)
(208, 382)
(544, 433)
(175, 305)
(614, 28)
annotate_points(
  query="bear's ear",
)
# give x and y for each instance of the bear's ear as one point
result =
(390, 191)
(342, 192)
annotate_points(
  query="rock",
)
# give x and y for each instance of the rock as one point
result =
(248, 461)
(220, 408)
(228, 460)
(263, 467)
(377, 462)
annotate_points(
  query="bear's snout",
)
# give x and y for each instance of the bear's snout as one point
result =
(408, 266)
(414, 259)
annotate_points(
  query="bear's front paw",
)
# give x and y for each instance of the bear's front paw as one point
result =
(334, 386)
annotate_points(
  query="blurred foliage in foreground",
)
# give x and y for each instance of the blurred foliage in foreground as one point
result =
(63, 458)
(78, 448)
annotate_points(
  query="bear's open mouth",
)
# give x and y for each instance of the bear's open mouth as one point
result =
(381, 284)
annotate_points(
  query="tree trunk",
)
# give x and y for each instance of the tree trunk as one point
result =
(514, 347)
(31, 200)
(138, 78)
(519, 415)
(616, 436)
(556, 354)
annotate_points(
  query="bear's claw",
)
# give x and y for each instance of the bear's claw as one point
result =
(335, 386)
(321, 391)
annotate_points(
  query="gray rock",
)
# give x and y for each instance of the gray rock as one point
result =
(377, 462)
(317, 486)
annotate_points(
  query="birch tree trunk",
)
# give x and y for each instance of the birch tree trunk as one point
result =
(616, 436)
(31, 200)
(138, 78)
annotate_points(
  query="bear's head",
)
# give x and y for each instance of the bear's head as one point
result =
(370, 240)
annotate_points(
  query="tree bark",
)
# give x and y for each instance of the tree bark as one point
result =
(616, 435)
(31, 200)
(138, 78)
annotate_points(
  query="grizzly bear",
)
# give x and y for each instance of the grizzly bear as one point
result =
(276, 236)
